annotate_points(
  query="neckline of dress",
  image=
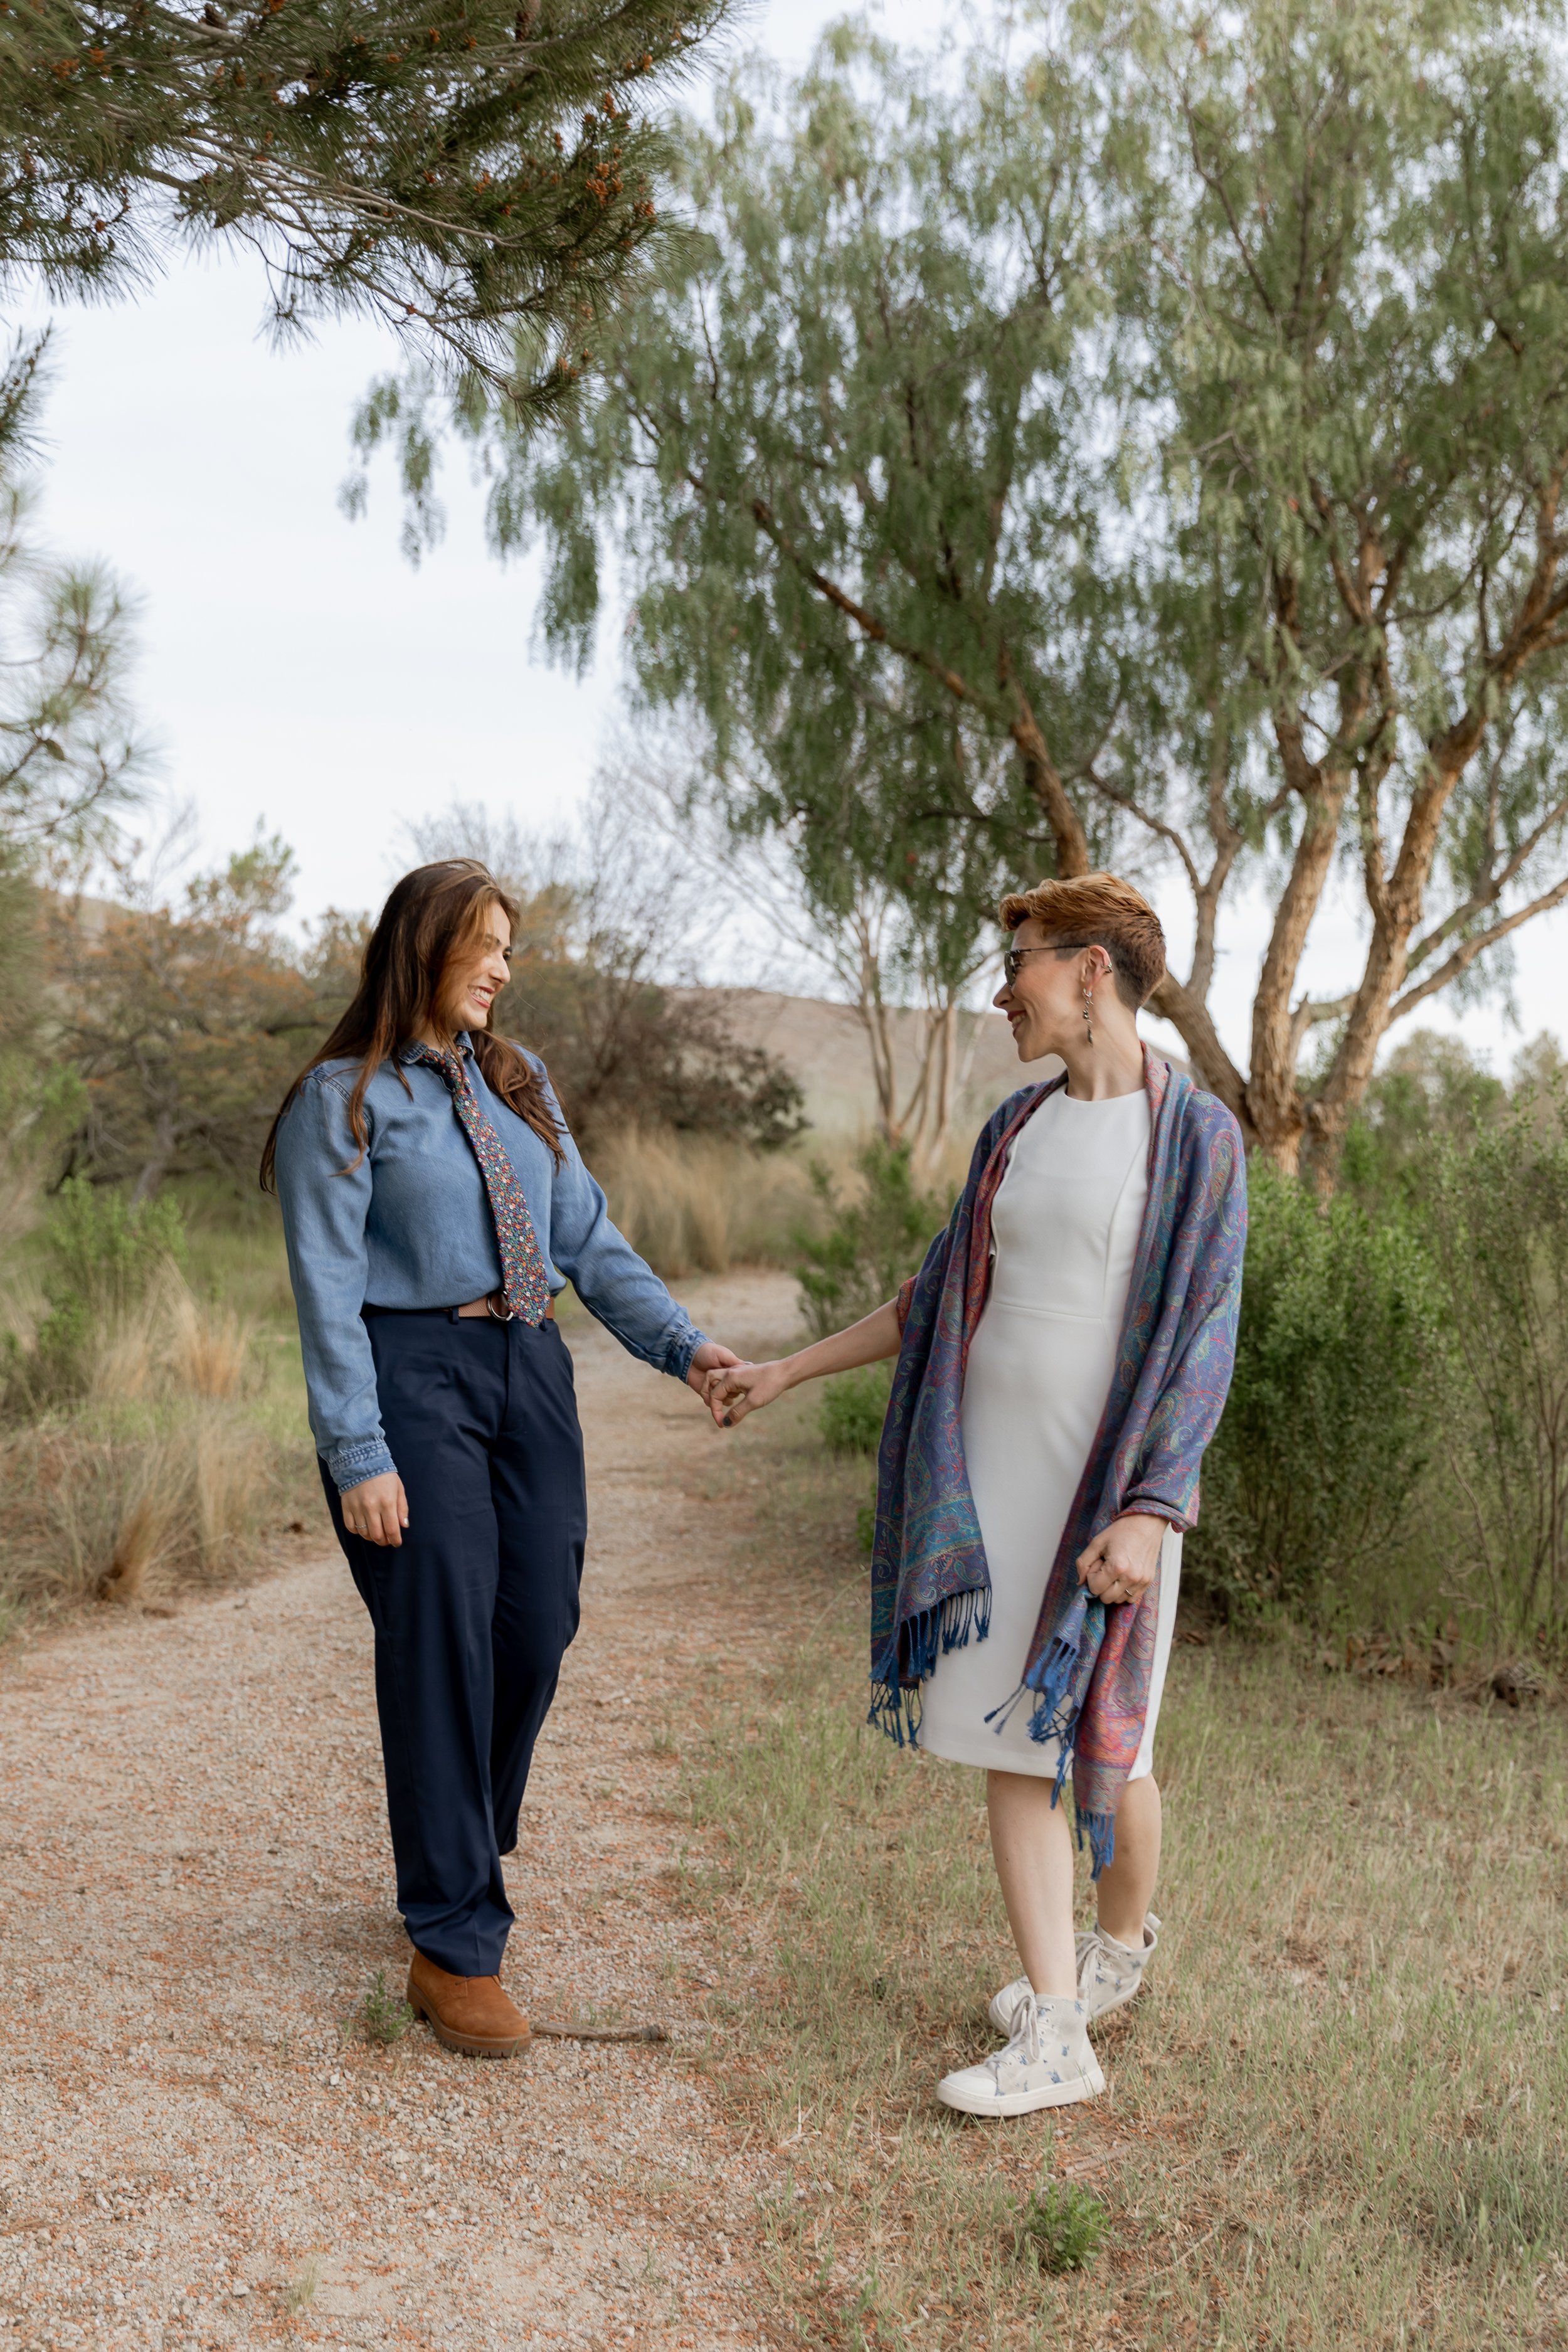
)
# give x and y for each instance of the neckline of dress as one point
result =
(1101, 1102)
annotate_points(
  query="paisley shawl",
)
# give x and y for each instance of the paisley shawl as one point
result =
(1088, 1672)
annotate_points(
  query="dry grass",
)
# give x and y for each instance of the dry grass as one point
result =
(693, 1204)
(172, 1344)
(164, 1472)
(301, 2290)
(1336, 2117)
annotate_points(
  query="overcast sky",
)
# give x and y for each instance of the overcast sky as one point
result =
(299, 672)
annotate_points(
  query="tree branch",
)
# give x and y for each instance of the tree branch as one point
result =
(1465, 954)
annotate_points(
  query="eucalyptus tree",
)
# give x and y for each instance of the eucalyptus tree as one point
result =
(1356, 328)
(895, 911)
(481, 174)
(1148, 446)
(842, 448)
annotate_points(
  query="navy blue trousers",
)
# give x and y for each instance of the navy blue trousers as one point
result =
(474, 1613)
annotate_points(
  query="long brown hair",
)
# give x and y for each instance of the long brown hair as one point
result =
(431, 913)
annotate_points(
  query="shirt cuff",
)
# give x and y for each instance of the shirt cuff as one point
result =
(367, 1457)
(677, 1363)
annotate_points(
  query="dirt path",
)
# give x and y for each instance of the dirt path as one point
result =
(196, 2147)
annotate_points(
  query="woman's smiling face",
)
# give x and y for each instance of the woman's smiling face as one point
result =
(1045, 1003)
(477, 971)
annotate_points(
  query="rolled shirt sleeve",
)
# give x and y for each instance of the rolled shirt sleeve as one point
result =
(324, 1189)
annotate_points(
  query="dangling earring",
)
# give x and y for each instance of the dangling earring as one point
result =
(1089, 1010)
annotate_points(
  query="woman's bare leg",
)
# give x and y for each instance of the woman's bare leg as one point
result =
(1032, 1844)
(1126, 1887)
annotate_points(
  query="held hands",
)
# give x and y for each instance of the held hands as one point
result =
(710, 1359)
(1120, 1564)
(737, 1388)
(376, 1510)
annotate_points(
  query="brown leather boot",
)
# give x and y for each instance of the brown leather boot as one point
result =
(471, 2013)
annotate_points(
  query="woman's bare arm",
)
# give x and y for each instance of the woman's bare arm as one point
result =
(736, 1389)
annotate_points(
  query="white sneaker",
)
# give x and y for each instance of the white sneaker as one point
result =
(1108, 1974)
(1048, 2063)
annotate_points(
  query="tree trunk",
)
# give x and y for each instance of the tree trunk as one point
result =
(151, 1173)
(878, 1028)
(1396, 903)
(1189, 1016)
(1276, 1112)
(1050, 793)
(937, 1082)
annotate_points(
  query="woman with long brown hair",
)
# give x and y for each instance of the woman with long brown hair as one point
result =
(434, 1203)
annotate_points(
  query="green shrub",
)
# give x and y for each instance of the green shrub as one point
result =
(1497, 1216)
(853, 1409)
(384, 2015)
(102, 1254)
(1431, 1090)
(1062, 2227)
(1333, 1407)
(871, 1242)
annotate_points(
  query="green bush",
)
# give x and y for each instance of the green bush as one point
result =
(1333, 1408)
(1497, 1212)
(102, 1254)
(871, 1242)
(853, 1409)
(1431, 1091)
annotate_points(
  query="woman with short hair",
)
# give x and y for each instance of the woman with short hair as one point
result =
(433, 1203)
(1063, 1356)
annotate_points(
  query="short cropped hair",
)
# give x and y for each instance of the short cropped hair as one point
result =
(1099, 910)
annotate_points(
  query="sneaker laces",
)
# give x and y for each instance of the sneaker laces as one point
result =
(1024, 2041)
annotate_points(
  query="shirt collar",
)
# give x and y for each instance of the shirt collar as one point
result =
(412, 1051)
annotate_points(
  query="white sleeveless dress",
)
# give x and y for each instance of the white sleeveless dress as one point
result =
(1065, 1226)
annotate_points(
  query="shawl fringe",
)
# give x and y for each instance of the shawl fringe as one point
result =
(1101, 1831)
(1058, 1706)
(896, 1685)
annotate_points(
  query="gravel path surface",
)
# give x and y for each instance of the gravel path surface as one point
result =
(197, 2146)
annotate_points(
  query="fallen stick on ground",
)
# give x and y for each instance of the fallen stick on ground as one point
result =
(603, 2032)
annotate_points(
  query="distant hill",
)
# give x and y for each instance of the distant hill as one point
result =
(825, 1047)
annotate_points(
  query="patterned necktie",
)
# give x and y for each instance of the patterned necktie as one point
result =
(524, 1282)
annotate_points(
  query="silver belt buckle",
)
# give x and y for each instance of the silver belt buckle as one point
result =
(505, 1314)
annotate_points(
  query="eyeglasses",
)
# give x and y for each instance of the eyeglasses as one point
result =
(1013, 957)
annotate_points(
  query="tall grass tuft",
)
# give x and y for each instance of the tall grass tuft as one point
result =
(141, 1537)
(211, 1348)
(149, 1467)
(1062, 2227)
(693, 1203)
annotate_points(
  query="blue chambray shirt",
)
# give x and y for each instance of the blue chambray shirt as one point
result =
(411, 1226)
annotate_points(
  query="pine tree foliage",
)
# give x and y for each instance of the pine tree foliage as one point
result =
(482, 173)
(69, 755)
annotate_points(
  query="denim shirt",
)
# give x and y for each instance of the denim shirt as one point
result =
(411, 1226)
